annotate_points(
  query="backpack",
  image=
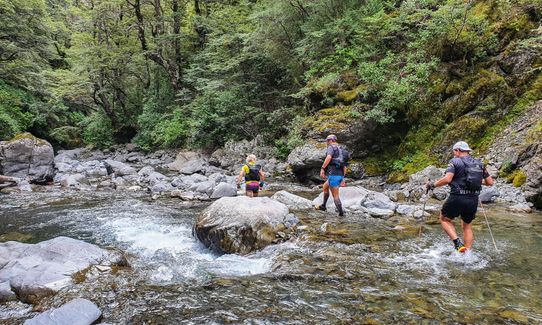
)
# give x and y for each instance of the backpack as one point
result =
(474, 174)
(341, 156)
(254, 173)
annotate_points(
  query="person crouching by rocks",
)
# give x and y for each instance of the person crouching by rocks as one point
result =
(336, 169)
(465, 176)
(253, 175)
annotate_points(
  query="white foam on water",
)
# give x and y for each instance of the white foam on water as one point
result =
(434, 263)
(158, 238)
(166, 248)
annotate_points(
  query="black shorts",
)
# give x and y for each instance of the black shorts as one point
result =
(460, 205)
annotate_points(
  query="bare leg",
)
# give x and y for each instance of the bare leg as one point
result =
(255, 194)
(249, 193)
(468, 234)
(448, 226)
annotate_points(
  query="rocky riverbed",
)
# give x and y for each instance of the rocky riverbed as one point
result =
(386, 261)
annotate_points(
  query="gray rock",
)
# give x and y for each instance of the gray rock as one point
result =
(416, 184)
(520, 208)
(186, 181)
(380, 213)
(131, 147)
(188, 162)
(306, 160)
(489, 194)
(291, 220)
(218, 178)
(222, 190)
(161, 187)
(240, 224)
(234, 153)
(119, 168)
(185, 196)
(405, 209)
(293, 202)
(154, 178)
(92, 168)
(38, 270)
(76, 312)
(379, 201)
(26, 156)
(6, 294)
(203, 187)
(145, 171)
(73, 180)
(351, 198)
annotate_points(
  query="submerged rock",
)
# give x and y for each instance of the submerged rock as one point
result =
(241, 224)
(34, 271)
(76, 312)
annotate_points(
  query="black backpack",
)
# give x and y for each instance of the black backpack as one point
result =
(341, 156)
(474, 174)
(254, 173)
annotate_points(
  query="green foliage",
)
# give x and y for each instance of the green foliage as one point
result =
(97, 130)
(16, 111)
(286, 144)
(173, 76)
(517, 178)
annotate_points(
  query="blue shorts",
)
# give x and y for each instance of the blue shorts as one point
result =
(335, 181)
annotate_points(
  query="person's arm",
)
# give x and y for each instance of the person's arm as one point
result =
(241, 175)
(488, 180)
(343, 182)
(324, 166)
(447, 179)
(262, 176)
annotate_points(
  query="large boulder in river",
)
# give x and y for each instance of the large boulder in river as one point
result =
(38, 270)
(357, 198)
(306, 161)
(27, 156)
(188, 162)
(119, 168)
(76, 312)
(240, 224)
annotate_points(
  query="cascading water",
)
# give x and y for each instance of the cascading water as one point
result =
(361, 270)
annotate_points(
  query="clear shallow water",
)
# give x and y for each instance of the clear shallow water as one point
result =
(360, 271)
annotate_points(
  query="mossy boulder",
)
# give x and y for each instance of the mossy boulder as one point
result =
(26, 156)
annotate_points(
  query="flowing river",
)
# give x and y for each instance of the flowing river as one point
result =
(360, 270)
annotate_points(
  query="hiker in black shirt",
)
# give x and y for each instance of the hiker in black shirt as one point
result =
(465, 176)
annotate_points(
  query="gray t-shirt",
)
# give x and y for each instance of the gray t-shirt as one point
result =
(457, 167)
(332, 169)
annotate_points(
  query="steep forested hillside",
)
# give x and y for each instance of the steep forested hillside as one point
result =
(398, 81)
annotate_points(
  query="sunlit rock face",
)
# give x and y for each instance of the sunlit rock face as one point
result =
(241, 224)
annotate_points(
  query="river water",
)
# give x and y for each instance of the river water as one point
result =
(365, 271)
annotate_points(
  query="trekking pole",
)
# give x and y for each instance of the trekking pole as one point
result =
(487, 222)
(423, 209)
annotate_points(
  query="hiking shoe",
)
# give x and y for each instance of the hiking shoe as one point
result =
(458, 245)
(321, 207)
(341, 214)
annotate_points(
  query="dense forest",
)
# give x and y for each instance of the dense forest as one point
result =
(398, 81)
